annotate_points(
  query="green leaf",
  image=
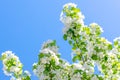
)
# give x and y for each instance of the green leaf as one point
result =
(76, 10)
(94, 57)
(52, 62)
(116, 43)
(87, 30)
(26, 78)
(98, 33)
(84, 49)
(70, 42)
(53, 43)
(65, 37)
(103, 66)
(118, 55)
(34, 67)
(74, 58)
(77, 57)
(78, 71)
(2, 57)
(41, 55)
(105, 58)
(110, 47)
(57, 67)
(100, 78)
(47, 68)
(58, 55)
(73, 48)
(84, 75)
(96, 48)
(115, 71)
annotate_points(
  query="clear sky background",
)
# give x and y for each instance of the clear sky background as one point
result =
(26, 24)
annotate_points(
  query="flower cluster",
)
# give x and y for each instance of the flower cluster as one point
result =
(13, 67)
(69, 15)
(89, 48)
(50, 66)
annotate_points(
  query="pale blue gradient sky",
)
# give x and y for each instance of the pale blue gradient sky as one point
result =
(26, 24)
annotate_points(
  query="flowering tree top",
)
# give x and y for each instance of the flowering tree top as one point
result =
(88, 49)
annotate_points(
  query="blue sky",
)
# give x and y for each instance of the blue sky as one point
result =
(26, 24)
